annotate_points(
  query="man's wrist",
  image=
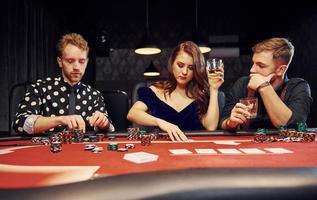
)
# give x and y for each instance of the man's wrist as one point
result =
(263, 85)
(229, 125)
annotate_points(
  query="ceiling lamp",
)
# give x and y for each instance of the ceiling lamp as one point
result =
(151, 70)
(147, 47)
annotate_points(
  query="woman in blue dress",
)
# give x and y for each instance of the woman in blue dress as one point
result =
(188, 100)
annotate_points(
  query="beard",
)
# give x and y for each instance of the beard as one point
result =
(274, 77)
(76, 77)
(73, 77)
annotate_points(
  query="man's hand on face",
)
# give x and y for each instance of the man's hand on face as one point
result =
(257, 79)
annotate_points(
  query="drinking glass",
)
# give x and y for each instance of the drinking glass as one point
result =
(252, 105)
(213, 65)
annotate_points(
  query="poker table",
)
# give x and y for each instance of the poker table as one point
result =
(211, 165)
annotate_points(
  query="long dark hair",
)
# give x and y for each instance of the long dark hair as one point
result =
(197, 88)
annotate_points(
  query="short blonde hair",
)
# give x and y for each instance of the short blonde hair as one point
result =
(283, 49)
(74, 39)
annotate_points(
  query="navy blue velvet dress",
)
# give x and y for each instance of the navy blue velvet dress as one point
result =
(186, 119)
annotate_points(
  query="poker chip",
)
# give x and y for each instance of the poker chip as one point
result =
(45, 141)
(133, 133)
(100, 137)
(97, 149)
(137, 134)
(309, 137)
(301, 127)
(261, 130)
(164, 136)
(56, 147)
(90, 146)
(286, 135)
(259, 137)
(282, 127)
(36, 140)
(112, 146)
(78, 135)
(67, 137)
(122, 149)
(129, 146)
(93, 138)
(111, 138)
(145, 140)
(41, 140)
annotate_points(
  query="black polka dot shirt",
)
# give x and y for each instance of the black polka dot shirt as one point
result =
(50, 97)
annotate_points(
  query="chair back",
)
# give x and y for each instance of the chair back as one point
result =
(221, 101)
(135, 96)
(117, 105)
(17, 93)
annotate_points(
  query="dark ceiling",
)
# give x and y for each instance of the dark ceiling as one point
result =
(250, 20)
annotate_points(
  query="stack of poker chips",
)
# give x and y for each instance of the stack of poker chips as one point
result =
(286, 135)
(56, 147)
(282, 131)
(155, 135)
(301, 127)
(309, 137)
(78, 135)
(137, 134)
(56, 142)
(164, 136)
(260, 135)
(67, 137)
(133, 133)
(93, 138)
(100, 137)
(299, 135)
(40, 140)
(57, 137)
(113, 146)
(145, 140)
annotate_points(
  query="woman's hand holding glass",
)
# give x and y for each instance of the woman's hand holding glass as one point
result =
(215, 72)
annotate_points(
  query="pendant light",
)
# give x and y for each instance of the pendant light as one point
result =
(147, 46)
(151, 70)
